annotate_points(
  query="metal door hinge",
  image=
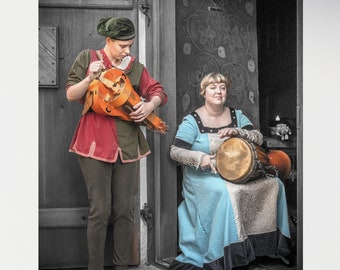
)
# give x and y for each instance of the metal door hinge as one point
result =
(147, 216)
(145, 6)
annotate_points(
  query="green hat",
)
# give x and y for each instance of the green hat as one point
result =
(116, 28)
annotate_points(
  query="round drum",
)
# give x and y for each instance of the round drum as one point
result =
(281, 161)
(239, 160)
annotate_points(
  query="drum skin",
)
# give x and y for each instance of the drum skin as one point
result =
(237, 160)
(281, 161)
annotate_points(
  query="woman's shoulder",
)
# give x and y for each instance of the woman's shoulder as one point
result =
(190, 116)
(189, 119)
(84, 56)
(189, 124)
(131, 63)
(237, 112)
(85, 53)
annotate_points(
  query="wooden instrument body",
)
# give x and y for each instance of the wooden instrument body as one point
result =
(113, 95)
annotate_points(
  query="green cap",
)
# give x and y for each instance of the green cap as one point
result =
(116, 28)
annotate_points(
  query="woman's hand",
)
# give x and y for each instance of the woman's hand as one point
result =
(142, 111)
(227, 132)
(78, 90)
(207, 163)
(95, 69)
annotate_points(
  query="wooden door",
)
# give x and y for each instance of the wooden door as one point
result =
(66, 28)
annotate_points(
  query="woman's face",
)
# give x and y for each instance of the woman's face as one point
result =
(119, 48)
(216, 93)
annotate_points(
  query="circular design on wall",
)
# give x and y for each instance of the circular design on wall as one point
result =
(200, 66)
(239, 77)
(226, 37)
(185, 101)
(187, 48)
(201, 27)
(249, 8)
(235, 37)
(251, 65)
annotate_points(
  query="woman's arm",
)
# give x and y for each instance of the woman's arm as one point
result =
(186, 157)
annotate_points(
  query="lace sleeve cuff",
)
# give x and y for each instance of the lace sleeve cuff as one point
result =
(252, 135)
(186, 157)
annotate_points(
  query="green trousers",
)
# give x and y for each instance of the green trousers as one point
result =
(109, 185)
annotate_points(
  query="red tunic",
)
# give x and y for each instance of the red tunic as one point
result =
(104, 137)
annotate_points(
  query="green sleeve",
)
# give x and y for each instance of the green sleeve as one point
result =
(79, 68)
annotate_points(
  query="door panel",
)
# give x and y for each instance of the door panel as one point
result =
(63, 204)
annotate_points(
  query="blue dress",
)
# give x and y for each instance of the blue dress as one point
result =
(223, 224)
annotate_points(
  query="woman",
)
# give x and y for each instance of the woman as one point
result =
(223, 224)
(108, 148)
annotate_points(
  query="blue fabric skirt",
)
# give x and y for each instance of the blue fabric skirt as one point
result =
(223, 225)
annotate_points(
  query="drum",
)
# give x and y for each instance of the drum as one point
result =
(281, 162)
(239, 160)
